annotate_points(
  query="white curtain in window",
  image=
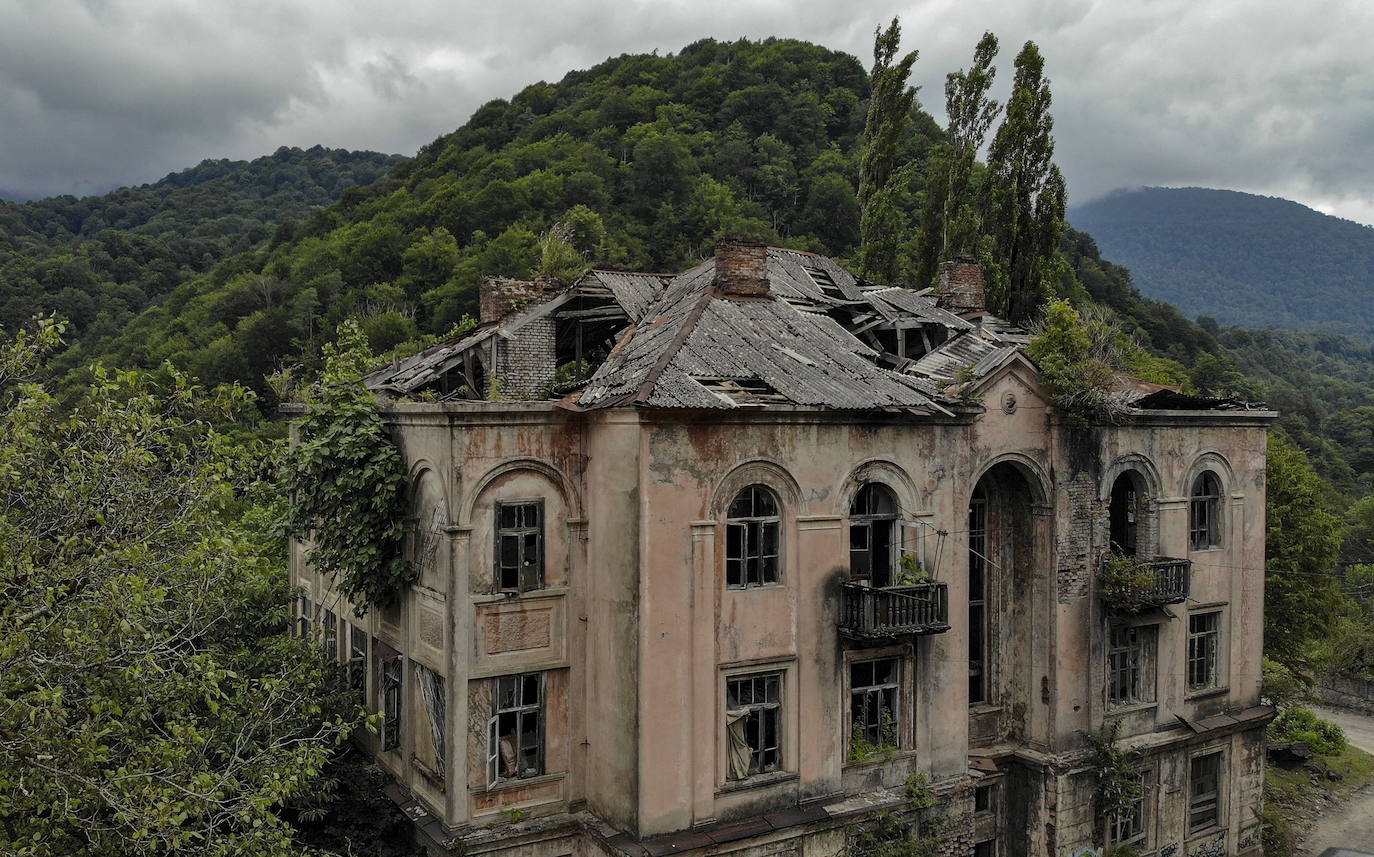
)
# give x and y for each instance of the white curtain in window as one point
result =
(741, 754)
(432, 691)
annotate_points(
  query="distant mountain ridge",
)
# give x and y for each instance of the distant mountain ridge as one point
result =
(1243, 259)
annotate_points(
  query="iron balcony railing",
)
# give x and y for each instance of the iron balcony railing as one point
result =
(870, 613)
(1164, 580)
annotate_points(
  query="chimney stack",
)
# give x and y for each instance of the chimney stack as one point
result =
(742, 268)
(961, 288)
(499, 297)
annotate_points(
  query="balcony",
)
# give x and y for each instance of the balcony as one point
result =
(869, 614)
(1129, 585)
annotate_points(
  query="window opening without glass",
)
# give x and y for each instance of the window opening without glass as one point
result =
(390, 677)
(357, 660)
(751, 538)
(977, 597)
(874, 699)
(520, 545)
(872, 534)
(1204, 512)
(1122, 514)
(1129, 654)
(1204, 792)
(1127, 826)
(1204, 638)
(753, 721)
(515, 733)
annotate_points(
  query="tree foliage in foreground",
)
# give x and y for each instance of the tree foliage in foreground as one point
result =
(1301, 598)
(150, 702)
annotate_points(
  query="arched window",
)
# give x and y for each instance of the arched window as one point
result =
(751, 538)
(872, 534)
(1204, 512)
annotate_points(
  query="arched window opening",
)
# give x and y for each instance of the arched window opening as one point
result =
(1123, 514)
(752, 538)
(1204, 512)
(977, 596)
(873, 542)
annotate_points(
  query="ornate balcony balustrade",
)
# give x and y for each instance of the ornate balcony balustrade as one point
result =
(869, 613)
(1130, 585)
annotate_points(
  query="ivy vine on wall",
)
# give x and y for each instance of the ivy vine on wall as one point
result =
(347, 482)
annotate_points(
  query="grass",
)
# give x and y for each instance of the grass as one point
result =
(1293, 798)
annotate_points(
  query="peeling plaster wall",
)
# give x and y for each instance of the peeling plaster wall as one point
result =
(638, 631)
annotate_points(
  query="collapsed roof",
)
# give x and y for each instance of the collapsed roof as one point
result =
(753, 326)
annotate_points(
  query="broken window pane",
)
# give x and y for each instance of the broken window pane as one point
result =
(520, 546)
(516, 736)
(753, 724)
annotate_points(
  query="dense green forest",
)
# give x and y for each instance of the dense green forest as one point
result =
(1242, 259)
(231, 271)
(99, 261)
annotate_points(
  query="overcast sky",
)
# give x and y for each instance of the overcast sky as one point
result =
(1268, 96)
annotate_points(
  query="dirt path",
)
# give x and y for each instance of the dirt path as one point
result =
(1351, 825)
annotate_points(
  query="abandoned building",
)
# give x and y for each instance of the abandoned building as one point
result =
(741, 559)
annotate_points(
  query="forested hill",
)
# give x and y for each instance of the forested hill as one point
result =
(1248, 260)
(100, 260)
(647, 159)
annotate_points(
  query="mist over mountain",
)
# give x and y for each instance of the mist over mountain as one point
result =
(1247, 260)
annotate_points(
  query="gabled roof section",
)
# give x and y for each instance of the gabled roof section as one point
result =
(696, 342)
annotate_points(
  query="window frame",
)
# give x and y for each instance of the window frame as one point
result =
(390, 670)
(867, 524)
(1133, 829)
(520, 534)
(1136, 655)
(329, 639)
(1204, 504)
(979, 687)
(520, 710)
(1210, 640)
(764, 710)
(357, 660)
(893, 687)
(752, 531)
(1211, 802)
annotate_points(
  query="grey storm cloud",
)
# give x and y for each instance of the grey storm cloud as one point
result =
(1257, 95)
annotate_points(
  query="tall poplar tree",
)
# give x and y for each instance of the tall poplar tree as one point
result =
(882, 223)
(1024, 196)
(950, 222)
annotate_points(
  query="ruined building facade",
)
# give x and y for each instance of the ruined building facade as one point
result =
(739, 560)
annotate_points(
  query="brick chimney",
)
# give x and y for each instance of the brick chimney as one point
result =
(961, 288)
(742, 268)
(499, 297)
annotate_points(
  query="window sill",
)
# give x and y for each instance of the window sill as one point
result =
(1212, 549)
(519, 782)
(1116, 710)
(433, 777)
(531, 595)
(1206, 693)
(897, 756)
(983, 708)
(755, 586)
(757, 781)
(1206, 832)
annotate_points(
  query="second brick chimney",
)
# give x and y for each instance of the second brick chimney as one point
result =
(961, 288)
(741, 268)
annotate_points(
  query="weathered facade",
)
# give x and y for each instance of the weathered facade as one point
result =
(786, 540)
